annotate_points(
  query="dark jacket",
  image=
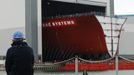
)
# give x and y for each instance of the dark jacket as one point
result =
(19, 59)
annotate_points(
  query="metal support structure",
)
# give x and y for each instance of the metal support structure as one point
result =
(76, 65)
(111, 8)
(112, 15)
(112, 37)
(117, 53)
(32, 25)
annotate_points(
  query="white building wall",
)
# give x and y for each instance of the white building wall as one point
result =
(12, 18)
(127, 43)
(127, 38)
(6, 38)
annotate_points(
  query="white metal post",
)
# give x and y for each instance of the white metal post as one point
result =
(117, 64)
(76, 65)
(116, 57)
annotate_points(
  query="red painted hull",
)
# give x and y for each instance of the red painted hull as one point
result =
(99, 66)
(81, 34)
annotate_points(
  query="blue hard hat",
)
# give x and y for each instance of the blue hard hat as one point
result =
(18, 35)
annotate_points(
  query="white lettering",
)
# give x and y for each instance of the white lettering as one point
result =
(65, 23)
(43, 25)
(59, 23)
(68, 22)
(72, 22)
(53, 24)
(62, 22)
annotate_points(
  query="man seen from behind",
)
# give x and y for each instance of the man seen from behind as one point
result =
(19, 57)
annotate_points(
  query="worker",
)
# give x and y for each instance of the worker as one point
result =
(85, 72)
(19, 57)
